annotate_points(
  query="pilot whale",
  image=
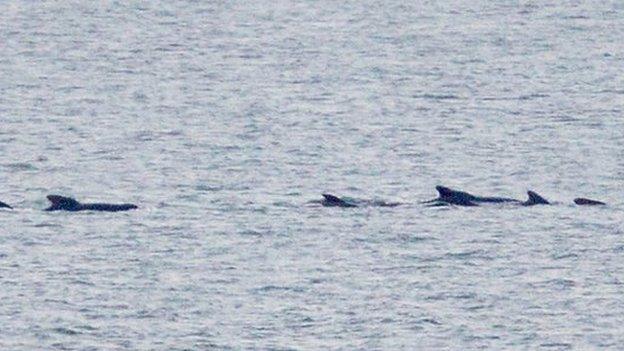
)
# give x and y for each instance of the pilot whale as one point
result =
(330, 200)
(587, 202)
(3, 205)
(449, 196)
(62, 203)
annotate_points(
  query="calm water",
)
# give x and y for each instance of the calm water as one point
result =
(223, 119)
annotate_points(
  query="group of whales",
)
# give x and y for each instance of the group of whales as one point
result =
(448, 196)
(63, 203)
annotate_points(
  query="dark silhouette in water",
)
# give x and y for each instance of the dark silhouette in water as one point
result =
(62, 203)
(449, 196)
(330, 200)
(535, 199)
(587, 202)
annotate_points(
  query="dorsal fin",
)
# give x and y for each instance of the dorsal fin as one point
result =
(62, 203)
(455, 197)
(444, 191)
(332, 198)
(535, 199)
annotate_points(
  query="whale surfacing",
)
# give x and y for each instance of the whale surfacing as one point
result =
(330, 200)
(588, 202)
(3, 205)
(449, 196)
(62, 203)
(535, 199)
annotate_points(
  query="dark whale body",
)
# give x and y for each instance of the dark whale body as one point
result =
(449, 196)
(62, 203)
(588, 202)
(330, 200)
(3, 205)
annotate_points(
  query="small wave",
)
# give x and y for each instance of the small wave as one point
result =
(437, 96)
(65, 331)
(277, 288)
(467, 255)
(47, 225)
(407, 238)
(82, 282)
(576, 17)
(20, 166)
(558, 345)
(210, 188)
(532, 96)
(564, 256)
(430, 321)
(446, 296)
(251, 232)
(556, 283)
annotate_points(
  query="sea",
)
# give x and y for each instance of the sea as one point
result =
(225, 121)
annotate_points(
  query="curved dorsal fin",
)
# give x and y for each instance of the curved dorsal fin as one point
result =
(535, 199)
(444, 191)
(62, 203)
(332, 200)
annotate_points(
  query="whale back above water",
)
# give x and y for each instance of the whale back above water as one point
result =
(330, 200)
(454, 197)
(449, 196)
(587, 202)
(535, 199)
(461, 198)
(63, 203)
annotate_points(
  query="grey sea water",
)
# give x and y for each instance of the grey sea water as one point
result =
(223, 119)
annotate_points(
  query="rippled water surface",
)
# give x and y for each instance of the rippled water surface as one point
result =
(222, 120)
